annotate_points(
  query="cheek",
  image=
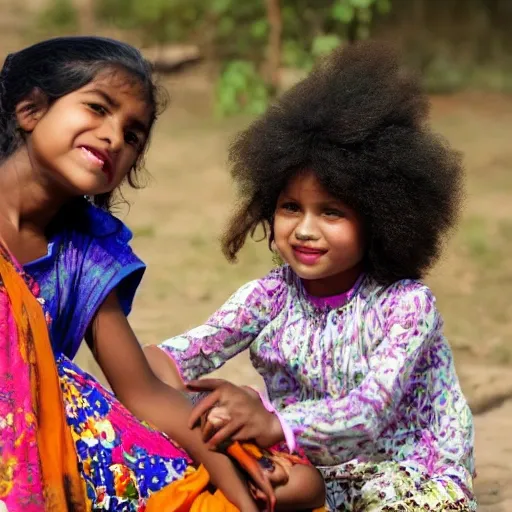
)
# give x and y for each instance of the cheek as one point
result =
(68, 119)
(347, 238)
(281, 231)
(46, 145)
(125, 165)
(57, 130)
(359, 238)
(126, 162)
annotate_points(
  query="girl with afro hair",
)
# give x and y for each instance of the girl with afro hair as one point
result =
(356, 194)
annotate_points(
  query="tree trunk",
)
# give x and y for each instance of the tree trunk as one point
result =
(275, 23)
(86, 18)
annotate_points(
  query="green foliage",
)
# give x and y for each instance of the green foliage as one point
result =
(236, 34)
(241, 89)
(324, 25)
(359, 14)
(157, 21)
(325, 44)
(59, 16)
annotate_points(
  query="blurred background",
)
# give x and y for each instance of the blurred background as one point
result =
(255, 47)
(222, 61)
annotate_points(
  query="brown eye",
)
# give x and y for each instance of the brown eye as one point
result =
(132, 138)
(290, 207)
(333, 212)
(98, 109)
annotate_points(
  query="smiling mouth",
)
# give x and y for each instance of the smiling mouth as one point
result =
(307, 255)
(309, 250)
(98, 159)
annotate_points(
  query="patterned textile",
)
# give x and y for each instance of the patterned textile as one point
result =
(360, 486)
(83, 265)
(64, 438)
(74, 446)
(38, 469)
(122, 460)
(369, 376)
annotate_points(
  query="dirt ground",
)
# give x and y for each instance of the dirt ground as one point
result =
(178, 217)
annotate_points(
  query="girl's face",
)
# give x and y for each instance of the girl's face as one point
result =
(318, 236)
(88, 140)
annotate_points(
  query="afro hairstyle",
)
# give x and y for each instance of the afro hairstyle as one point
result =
(359, 122)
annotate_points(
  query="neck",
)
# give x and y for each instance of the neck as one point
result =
(333, 285)
(28, 198)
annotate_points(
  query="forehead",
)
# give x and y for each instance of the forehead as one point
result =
(119, 78)
(305, 184)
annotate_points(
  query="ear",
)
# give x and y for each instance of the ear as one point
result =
(31, 109)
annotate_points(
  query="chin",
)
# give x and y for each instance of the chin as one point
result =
(90, 187)
(307, 274)
(83, 182)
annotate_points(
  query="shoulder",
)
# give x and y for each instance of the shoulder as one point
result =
(408, 292)
(279, 279)
(269, 290)
(406, 300)
(98, 235)
(96, 256)
(279, 283)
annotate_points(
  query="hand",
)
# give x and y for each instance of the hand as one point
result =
(246, 419)
(277, 470)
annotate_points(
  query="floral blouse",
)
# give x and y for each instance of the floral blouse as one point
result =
(367, 375)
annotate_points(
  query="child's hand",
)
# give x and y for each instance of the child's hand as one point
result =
(245, 417)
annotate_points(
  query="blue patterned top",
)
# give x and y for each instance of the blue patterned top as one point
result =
(83, 265)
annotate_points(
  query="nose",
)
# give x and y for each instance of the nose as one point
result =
(306, 229)
(112, 134)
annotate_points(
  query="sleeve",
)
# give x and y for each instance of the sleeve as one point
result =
(96, 264)
(229, 331)
(364, 412)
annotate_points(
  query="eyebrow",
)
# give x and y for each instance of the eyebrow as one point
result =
(108, 99)
(331, 203)
(135, 123)
(334, 203)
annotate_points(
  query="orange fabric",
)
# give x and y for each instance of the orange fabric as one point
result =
(188, 495)
(62, 485)
(217, 502)
(179, 496)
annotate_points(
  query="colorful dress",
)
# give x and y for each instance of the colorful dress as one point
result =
(38, 466)
(365, 381)
(66, 443)
(122, 460)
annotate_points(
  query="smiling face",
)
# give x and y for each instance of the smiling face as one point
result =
(319, 236)
(88, 140)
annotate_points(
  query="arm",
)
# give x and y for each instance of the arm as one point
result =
(365, 411)
(229, 331)
(121, 358)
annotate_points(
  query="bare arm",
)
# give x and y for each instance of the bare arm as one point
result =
(121, 358)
